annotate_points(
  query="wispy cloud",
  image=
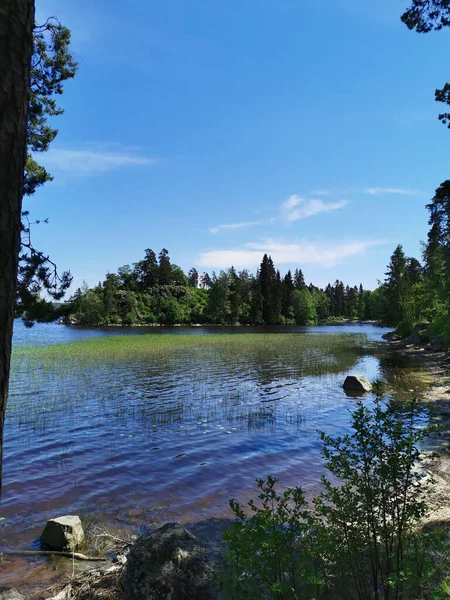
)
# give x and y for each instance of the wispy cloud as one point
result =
(296, 207)
(321, 192)
(93, 161)
(376, 191)
(322, 254)
(242, 225)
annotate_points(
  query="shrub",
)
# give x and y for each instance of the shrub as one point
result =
(361, 538)
(269, 553)
(370, 519)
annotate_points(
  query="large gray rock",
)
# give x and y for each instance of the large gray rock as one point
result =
(357, 383)
(169, 564)
(63, 533)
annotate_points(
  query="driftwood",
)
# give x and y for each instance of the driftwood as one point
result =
(76, 555)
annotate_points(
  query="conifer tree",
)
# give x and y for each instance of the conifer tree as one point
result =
(268, 287)
(299, 280)
(165, 269)
(16, 46)
(51, 66)
(396, 288)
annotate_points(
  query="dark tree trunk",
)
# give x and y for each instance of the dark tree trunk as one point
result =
(16, 46)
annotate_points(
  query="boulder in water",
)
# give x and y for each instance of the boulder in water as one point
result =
(63, 533)
(357, 383)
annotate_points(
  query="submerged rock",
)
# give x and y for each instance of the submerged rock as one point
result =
(169, 563)
(357, 383)
(63, 533)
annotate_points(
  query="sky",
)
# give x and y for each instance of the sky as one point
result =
(306, 129)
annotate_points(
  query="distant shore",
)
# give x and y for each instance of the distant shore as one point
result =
(70, 322)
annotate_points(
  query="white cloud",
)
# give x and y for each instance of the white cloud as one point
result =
(87, 162)
(322, 254)
(296, 207)
(242, 225)
(376, 191)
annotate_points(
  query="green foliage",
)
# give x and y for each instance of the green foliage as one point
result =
(396, 288)
(371, 517)
(427, 15)
(361, 539)
(304, 307)
(269, 552)
(137, 295)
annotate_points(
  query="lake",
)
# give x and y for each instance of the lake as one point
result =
(112, 423)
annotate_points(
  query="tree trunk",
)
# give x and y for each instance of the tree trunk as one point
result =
(16, 46)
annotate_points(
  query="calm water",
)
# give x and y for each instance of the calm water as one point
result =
(192, 428)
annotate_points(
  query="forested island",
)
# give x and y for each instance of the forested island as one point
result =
(156, 291)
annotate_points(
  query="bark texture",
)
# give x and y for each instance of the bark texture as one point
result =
(16, 46)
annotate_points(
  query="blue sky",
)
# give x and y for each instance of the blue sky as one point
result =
(306, 129)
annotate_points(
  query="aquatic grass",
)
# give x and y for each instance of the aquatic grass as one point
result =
(157, 380)
(313, 352)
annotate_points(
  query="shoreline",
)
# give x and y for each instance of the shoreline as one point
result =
(76, 325)
(435, 460)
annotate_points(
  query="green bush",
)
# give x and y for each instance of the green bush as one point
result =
(360, 539)
(270, 552)
(405, 327)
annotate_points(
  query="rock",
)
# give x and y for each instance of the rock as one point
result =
(210, 534)
(419, 335)
(63, 533)
(357, 383)
(10, 594)
(437, 343)
(169, 563)
(120, 559)
(391, 336)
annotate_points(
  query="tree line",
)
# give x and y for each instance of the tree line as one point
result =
(154, 290)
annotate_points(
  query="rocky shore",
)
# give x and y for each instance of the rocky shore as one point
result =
(435, 376)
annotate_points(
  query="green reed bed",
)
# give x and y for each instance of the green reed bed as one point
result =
(316, 354)
(157, 379)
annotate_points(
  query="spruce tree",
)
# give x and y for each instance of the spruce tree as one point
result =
(299, 280)
(286, 296)
(396, 288)
(268, 288)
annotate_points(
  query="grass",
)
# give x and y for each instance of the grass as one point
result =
(179, 376)
(316, 353)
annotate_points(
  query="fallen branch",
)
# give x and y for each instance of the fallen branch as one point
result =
(76, 555)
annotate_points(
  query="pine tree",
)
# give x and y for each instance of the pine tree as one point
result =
(51, 66)
(16, 45)
(437, 250)
(165, 269)
(193, 277)
(147, 271)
